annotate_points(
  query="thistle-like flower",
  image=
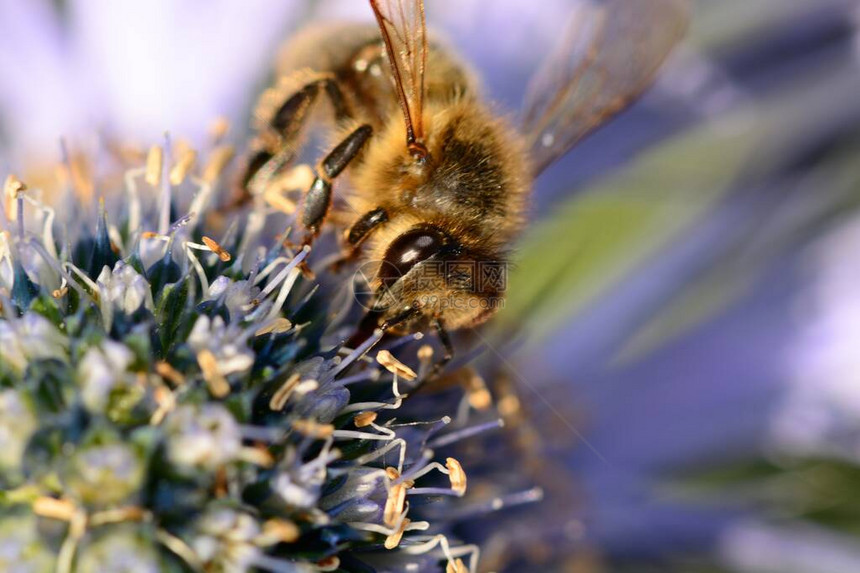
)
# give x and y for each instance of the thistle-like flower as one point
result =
(170, 401)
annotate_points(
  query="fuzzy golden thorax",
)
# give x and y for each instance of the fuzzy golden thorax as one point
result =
(451, 217)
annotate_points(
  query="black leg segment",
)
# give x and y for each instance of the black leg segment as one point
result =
(346, 150)
(289, 117)
(447, 346)
(362, 228)
(316, 206)
(318, 198)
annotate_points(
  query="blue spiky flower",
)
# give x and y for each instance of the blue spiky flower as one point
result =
(171, 401)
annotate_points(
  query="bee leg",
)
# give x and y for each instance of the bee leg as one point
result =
(408, 313)
(261, 167)
(276, 146)
(365, 225)
(447, 346)
(358, 233)
(317, 201)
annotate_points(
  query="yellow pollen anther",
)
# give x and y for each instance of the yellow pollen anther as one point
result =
(60, 292)
(218, 160)
(128, 152)
(457, 566)
(425, 353)
(457, 475)
(219, 128)
(394, 504)
(280, 397)
(12, 188)
(329, 564)
(166, 402)
(393, 365)
(149, 235)
(479, 396)
(217, 249)
(257, 455)
(313, 429)
(218, 385)
(393, 540)
(118, 515)
(162, 395)
(61, 509)
(364, 419)
(169, 373)
(277, 326)
(280, 531)
(77, 173)
(154, 164)
(183, 166)
(508, 406)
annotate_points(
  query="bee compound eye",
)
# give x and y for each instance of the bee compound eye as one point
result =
(408, 250)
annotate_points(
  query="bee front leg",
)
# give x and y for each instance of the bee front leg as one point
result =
(447, 346)
(318, 199)
(358, 233)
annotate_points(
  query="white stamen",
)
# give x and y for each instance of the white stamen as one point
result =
(254, 225)
(426, 470)
(269, 268)
(116, 238)
(384, 435)
(166, 191)
(47, 225)
(81, 275)
(285, 292)
(376, 454)
(273, 284)
(198, 268)
(133, 199)
(362, 349)
(59, 269)
(450, 553)
(201, 198)
(357, 406)
(465, 433)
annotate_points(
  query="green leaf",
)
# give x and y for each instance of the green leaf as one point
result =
(833, 187)
(172, 311)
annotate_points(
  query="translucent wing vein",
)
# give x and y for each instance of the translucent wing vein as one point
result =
(610, 54)
(402, 25)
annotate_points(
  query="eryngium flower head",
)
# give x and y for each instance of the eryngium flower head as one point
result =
(170, 401)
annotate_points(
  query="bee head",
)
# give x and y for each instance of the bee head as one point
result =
(426, 274)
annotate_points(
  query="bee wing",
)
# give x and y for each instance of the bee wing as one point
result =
(610, 55)
(403, 30)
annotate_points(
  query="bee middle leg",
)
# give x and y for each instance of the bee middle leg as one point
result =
(318, 199)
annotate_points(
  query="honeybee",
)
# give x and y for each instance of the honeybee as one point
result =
(438, 182)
